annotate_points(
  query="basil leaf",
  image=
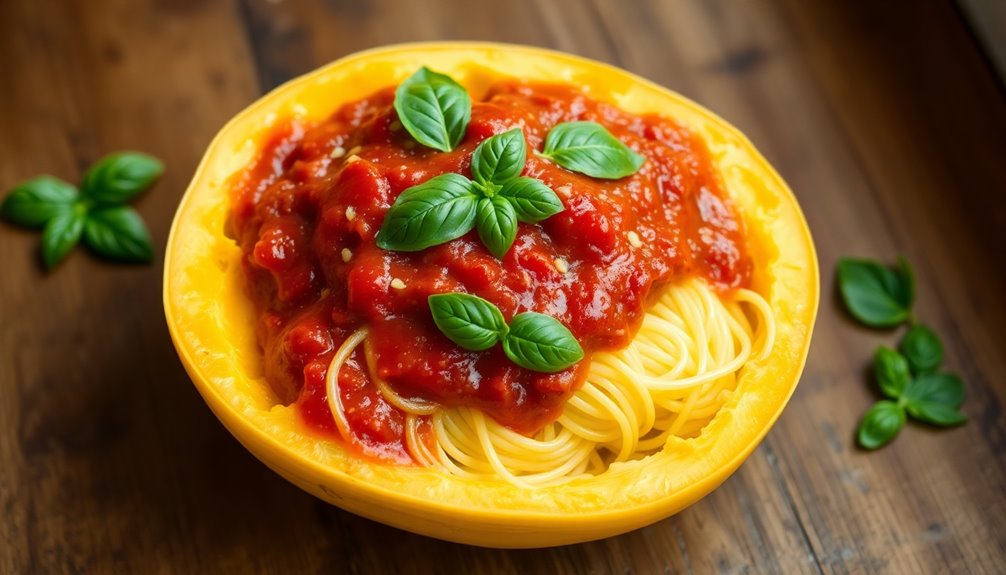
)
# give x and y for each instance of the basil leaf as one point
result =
(500, 158)
(942, 388)
(891, 369)
(880, 424)
(922, 349)
(532, 199)
(61, 235)
(118, 233)
(496, 222)
(588, 148)
(936, 414)
(874, 294)
(540, 343)
(118, 177)
(468, 320)
(36, 201)
(434, 109)
(434, 212)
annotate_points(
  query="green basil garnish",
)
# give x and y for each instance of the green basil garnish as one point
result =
(434, 212)
(117, 178)
(97, 213)
(496, 222)
(35, 202)
(118, 233)
(532, 199)
(468, 320)
(881, 296)
(449, 206)
(875, 294)
(922, 349)
(499, 158)
(588, 148)
(434, 109)
(891, 370)
(533, 341)
(880, 424)
(540, 343)
(60, 236)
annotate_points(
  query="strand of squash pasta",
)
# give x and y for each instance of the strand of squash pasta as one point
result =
(679, 369)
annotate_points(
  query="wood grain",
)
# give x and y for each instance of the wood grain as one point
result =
(888, 124)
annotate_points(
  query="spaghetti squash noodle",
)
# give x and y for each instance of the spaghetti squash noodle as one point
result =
(677, 372)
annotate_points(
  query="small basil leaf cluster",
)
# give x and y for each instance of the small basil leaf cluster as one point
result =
(97, 212)
(534, 341)
(880, 296)
(448, 206)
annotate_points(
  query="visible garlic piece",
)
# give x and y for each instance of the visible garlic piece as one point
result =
(634, 240)
(354, 150)
(346, 255)
(350, 213)
(338, 152)
(560, 265)
(397, 284)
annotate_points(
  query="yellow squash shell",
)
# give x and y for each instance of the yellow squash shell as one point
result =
(212, 322)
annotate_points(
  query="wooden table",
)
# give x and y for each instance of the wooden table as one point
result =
(885, 119)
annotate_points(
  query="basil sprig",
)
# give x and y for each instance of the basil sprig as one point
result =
(933, 398)
(588, 148)
(534, 341)
(449, 206)
(95, 213)
(880, 296)
(434, 109)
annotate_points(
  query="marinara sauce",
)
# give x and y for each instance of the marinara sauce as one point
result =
(306, 211)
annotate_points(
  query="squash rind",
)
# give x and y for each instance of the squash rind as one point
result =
(211, 321)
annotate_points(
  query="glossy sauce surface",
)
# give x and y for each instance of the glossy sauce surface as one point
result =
(306, 211)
